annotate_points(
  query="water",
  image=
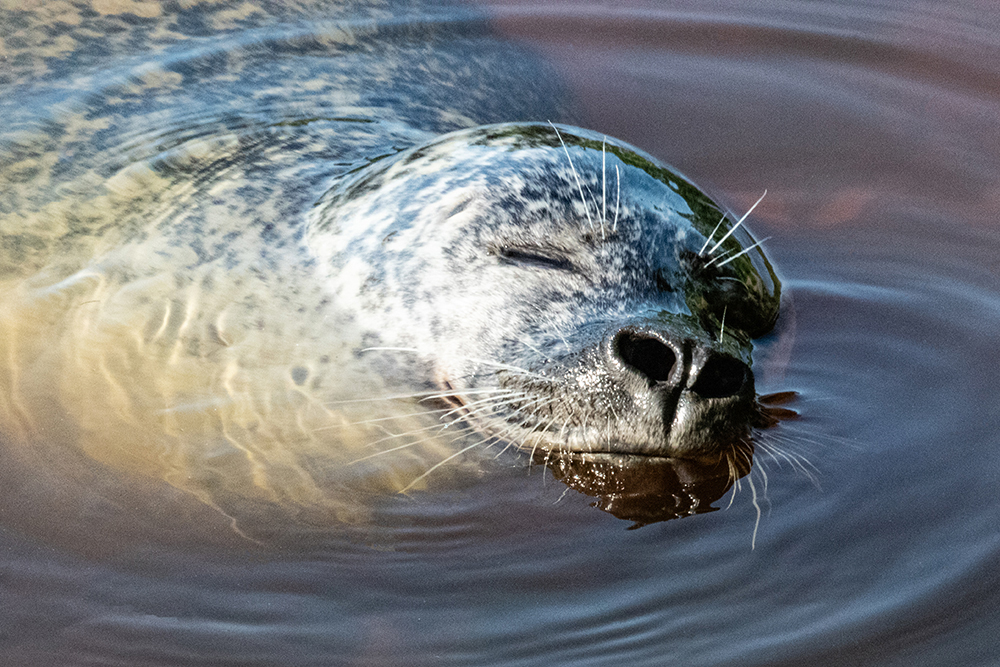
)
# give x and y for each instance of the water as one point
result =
(872, 127)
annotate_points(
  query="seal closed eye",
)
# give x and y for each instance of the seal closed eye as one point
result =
(538, 257)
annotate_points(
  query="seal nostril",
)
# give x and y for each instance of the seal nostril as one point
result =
(645, 354)
(721, 377)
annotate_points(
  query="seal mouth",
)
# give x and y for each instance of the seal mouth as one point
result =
(633, 457)
(449, 399)
(542, 437)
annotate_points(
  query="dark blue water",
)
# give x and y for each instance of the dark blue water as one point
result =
(873, 128)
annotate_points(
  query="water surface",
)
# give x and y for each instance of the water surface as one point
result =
(872, 126)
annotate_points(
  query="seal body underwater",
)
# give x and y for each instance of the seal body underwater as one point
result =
(256, 276)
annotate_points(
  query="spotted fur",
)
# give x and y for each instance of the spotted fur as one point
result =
(283, 252)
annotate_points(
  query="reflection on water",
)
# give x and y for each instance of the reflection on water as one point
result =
(872, 128)
(646, 491)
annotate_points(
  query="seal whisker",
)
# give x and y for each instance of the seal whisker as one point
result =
(392, 449)
(762, 471)
(725, 253)
(375, 420)
(521, 341)
(440, 429)
(534, 405)
(737, 225)
(737, 452)
(773, 450)
(557, 330)
(756, 506)
(485, 362)
(557, 439)
(510, 442)
(492, 407)
(712, 235)
(436, 426)
(604, 186)
(466, 392)
(490, 402)
(518, 372)
(741, 253)
(422, 396)
(535, 431)
(795, 460)
(393, 436)
(422, 413)
(439, 464)
(754, 500)
(521, 410)
(780, 457)
(766, 456)
(618, 197)
(538, 439)
(536, 402)
(579, 185)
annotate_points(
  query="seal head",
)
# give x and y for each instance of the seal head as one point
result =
(565, 292)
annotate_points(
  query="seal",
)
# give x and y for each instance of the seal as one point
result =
(322, 292)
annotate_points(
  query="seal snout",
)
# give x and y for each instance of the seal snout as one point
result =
(685, 397)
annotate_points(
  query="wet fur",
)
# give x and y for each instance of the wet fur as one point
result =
(343, 299)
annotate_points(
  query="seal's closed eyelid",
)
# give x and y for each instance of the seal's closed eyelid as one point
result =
(539, 257)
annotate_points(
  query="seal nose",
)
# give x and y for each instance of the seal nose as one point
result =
(649, 356)
(660, 361)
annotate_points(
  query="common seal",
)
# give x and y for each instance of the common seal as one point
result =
(297, 310)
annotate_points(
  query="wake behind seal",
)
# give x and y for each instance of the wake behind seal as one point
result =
(302, 314)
